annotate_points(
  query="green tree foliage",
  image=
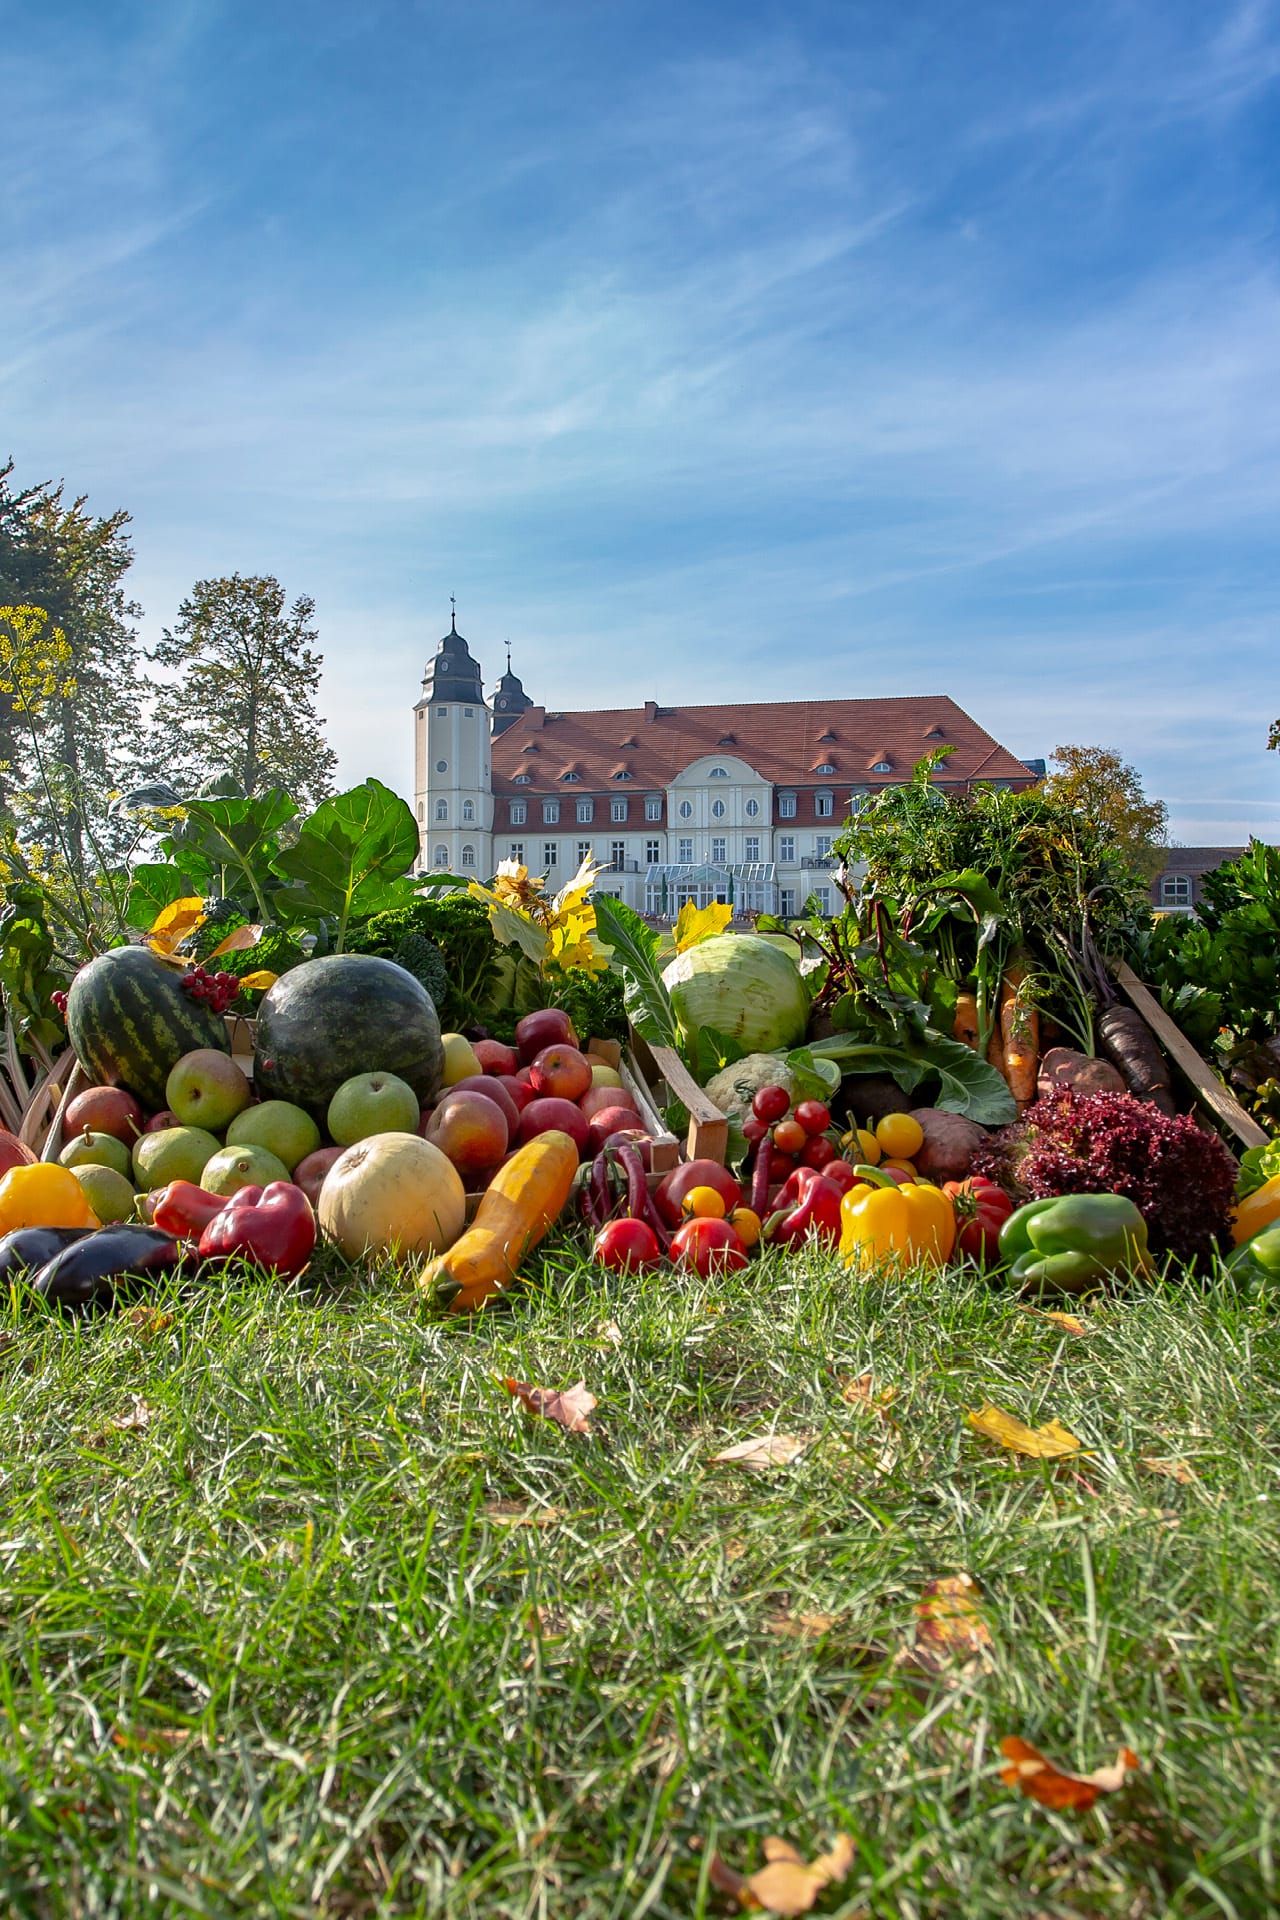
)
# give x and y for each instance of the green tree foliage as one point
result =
(1096, 782)
(243, 694)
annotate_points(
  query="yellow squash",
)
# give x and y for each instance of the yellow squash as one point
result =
(521, 1204)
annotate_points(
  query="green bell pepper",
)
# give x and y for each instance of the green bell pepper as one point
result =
(1074, 1239)
(1258, 1259)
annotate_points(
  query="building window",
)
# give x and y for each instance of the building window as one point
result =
(719, 853)
(468, 713)
(823, 805)
(718, 773)
(442, 809)
(751, 847)
(468, 856)
(622, 774)
(882, 766)
(548, 854)
(823, 897)
(826, 767)
(551, 813)
(822, 846)
(717, 808)
(652, 852)
(652, 807)
(786, 847)
(686, 809)
(422, 811)
(1175, 890)
(442, 859)
(584, 851)
(442, 713)
(787, 902)
(468, 809)
(518, 810)
(442, 766)
(684, 850)
(753, 808)
(521, 779)
(617, 853)
(586, 812)
(786, 806)
(617, 809)
(571, 777)
(517, 852)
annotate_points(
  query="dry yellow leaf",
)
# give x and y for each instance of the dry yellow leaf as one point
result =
(515, 1513)
(770, 1450)
(1049, 1442)
(136, 1419)
(950, 1624)
(860, 1392)
(1040, 1780)
(259, 982)
(238, 942)
(1069, 1322)
(173, 923)
(800, 1626)
(1172, 1469)
(570, 1409)
(789, 1884)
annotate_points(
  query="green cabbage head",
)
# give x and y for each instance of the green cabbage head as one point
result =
(744, 987)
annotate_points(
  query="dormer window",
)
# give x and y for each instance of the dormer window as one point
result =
(824, 766)
(521, 779)
(935, 732)
(881, 766)
(622, 773)
(569, 774)
(530, 747)
(630, 741)
(727, 740)
(718, 773)
(444, 666)
(828, 735)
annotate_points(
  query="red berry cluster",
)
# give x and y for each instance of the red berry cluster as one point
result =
(58, 999)
(799, 1138)
(219, 989)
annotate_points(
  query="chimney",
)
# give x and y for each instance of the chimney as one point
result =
(534, 717)
(650, 710)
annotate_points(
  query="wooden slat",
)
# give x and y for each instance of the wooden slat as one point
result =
(664, 1151)
(1183, 1054)
(708, 1128)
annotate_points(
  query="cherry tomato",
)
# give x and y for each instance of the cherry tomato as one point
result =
(841, 1174)
(814, 1116)
(708, 1246)
(770, 1104)
(627, 1246)
(669, 1198)
(703, 1203)
(789, 1136)
(754, 1129)
(900, 1136)
(746, 1225)
(818, 1152)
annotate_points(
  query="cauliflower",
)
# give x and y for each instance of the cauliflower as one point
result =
(734, 1088)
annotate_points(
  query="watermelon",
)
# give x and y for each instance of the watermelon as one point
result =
(130, 1021)
(347, 1013)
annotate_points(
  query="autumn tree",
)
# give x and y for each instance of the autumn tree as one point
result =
(1108, 791)
(242, 697)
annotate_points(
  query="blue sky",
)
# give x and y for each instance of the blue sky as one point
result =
(705, 351)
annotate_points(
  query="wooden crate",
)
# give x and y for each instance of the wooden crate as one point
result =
(708, 1135)
(665, 1150)
(1209, 1091)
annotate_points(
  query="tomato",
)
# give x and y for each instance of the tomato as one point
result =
(781, 1167)
(703, 1203)
(708, 1246)
(754, 1129)
(627, 1246)
(669, 1199)
(770, 1104)
(814, 1116)
(841, 1174)
(746, 1225)
(899, 1166)
(789, 1136)
(981, 1210)
(900, 1136)
(818, 1151)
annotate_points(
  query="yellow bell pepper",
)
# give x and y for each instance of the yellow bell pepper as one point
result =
(912, 1222)
(45, 1195)
(1260, 1210)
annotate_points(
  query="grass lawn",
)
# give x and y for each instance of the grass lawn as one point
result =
(302, 1615)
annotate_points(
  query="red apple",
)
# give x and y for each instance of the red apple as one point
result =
(310, 1172)
(540, 1116)
(518, 1087)
(471, 1131)
(690, 1174)
(611, 1120)
(560, 1072)
(160, 1122)
(596, 1099)
(548, 1027)
(494, 1057)
(523, 1077)
(14, 1154)
(489, 1087)
(104, 1110)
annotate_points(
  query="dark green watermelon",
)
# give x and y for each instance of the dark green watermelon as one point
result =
(348, 1013)
(130, 1021)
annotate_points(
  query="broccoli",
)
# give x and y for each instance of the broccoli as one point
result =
(423, 959)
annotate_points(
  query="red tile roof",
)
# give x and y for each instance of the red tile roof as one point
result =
(783, 741)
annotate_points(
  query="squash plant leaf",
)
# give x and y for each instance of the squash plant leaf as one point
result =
(239, 837)
(351, 856)
(700, 923)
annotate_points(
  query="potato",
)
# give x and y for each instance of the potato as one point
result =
(950, 1142)
(1064, 1067)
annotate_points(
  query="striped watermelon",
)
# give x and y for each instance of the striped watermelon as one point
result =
(130, 1021)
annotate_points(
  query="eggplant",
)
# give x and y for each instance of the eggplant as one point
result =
(27, 1249)
(85, 1274)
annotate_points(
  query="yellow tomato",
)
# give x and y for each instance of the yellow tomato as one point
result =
(868, 1146)
(46, 1195)
(900, 1135)
(746, 1224)
(703, 1203)
(899, 1166)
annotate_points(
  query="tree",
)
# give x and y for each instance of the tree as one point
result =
(243, 701)
(1103, 787)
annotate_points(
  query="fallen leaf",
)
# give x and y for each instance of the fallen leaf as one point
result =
(238, 942)
(136, 1419)
(858, 1392)
(568, 1409)
(514, 1513)
(1049, 1442)
(950, 1624)
(148, 1322)
(610, 1332)
(800, 1626)
(150, 1739)
(789, 1884)
(1172, 1469)
(1040, 1780)
(770, 1450)
(1067, 1321)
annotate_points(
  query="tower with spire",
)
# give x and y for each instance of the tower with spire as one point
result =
(453, 785)
(510, 699)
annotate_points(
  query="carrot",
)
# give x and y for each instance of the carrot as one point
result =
(995, 1050)
(965, 1028)
(1020, 1032)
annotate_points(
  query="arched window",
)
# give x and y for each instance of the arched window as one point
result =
(441, 861)
(468, 856)
(826, 767)
(468, 810)
(882, 766)
(442, 809)
(718, 773)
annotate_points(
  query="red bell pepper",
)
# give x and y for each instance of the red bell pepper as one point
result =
(273, 1227)
(814, 1204)
(981, 1210)
(185, 1210)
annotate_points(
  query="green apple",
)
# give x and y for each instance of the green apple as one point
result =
(280, 1127)
(97, 1150)
(206, 1089)
(372, 1103)
(175, 1153)
(231, 1168)
(108, 1192)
